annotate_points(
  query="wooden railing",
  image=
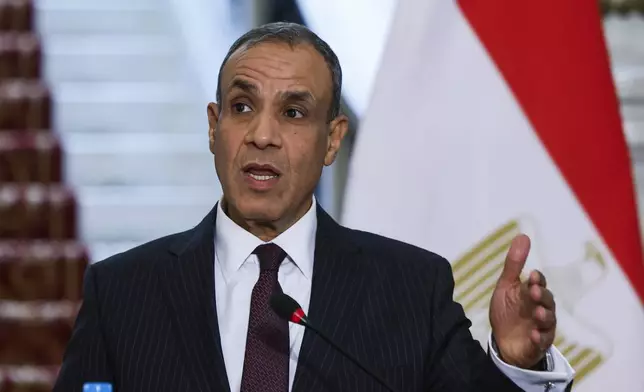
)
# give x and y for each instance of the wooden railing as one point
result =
(41, 261)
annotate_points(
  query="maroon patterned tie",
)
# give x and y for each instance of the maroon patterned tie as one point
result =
(267, 343)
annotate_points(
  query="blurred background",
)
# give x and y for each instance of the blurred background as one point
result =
(103, 135)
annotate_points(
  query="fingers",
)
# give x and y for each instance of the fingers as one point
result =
(515, 259)
(536, 277)
(544, 315)
(543, 340)
(544, 319)
(542, 296)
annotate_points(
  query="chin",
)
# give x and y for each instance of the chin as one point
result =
(260, 209)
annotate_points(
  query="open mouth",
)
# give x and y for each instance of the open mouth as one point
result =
(261, 174)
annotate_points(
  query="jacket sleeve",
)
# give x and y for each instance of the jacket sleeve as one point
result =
(558, 379)
(457, 361)
(85, 358)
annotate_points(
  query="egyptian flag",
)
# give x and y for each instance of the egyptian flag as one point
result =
(492, 118)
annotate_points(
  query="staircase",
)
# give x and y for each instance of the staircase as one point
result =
(133, 125)
(96, 97)
(41, 261)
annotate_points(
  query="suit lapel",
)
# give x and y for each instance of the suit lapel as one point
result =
(189, 290)
(339, 279)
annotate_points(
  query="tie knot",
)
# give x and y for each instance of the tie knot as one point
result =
(270, 256)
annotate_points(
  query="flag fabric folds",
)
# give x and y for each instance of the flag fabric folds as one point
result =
(490, 119)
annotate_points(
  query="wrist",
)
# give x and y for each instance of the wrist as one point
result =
(545, 364)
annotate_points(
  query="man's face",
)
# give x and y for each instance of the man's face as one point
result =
(270, 133)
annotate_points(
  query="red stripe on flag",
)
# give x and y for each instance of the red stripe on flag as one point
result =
(553, 56)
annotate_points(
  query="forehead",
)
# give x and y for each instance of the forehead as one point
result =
(279, 65)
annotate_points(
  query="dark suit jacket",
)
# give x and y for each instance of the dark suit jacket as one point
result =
(149, 321)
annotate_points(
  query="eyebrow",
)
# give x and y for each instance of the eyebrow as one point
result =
(244, 85)
(287, 96)
(297, 96)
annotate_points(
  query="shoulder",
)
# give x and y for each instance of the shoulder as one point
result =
(394, 255)
(415, 277)
(140, 259)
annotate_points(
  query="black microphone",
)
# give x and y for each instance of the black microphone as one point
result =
(288, 309)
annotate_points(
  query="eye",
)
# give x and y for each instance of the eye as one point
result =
(241, 108)
(293, 113)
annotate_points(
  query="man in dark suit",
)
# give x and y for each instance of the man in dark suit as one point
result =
(190, 312)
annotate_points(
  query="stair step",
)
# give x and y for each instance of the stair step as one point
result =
(17, 15)
(24, 104)
(42, 270)
(142, 213)
(37, 211)
(27, 378)
(96, 4)
(629, 80)
(101, 250)
(20, 55)
(30, 156)
(126, 107)
(142, 158)
(119, 58)
(115, 67)
(118, 92)
(111, 117)
(115, 44)
(35, 333)
(105, 17)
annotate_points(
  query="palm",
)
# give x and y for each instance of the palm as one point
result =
(521, 313)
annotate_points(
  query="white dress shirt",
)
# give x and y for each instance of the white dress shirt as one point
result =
(237, 271)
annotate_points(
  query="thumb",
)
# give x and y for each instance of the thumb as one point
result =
(515, 259)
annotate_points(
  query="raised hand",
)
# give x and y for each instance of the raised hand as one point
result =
(522, 314)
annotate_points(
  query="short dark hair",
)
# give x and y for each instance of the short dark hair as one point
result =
(292, 34)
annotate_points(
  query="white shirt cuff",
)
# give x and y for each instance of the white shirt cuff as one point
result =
(555, 380)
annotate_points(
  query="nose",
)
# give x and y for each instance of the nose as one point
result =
(264, 131)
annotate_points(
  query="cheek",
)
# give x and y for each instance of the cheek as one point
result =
(306, 158)
(227, 144)
(226, 149)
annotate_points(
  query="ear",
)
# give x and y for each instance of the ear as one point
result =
(337, 130)
(213, 120)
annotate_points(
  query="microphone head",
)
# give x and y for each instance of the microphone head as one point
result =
(287, 308)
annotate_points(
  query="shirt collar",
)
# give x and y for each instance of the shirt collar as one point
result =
(233, 244)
